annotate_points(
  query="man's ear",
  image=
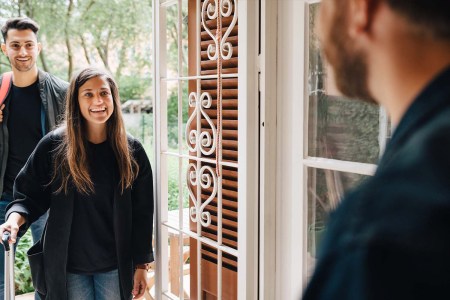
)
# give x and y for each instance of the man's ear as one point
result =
(361, 14)
(39, 48)
(4, 49)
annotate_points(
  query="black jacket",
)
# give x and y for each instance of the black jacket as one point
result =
(133, 218)
(390, 238)
(52, 93)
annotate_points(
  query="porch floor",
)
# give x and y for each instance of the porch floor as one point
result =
(28, 296)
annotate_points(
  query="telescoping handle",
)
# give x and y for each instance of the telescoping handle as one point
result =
(5, 240)
(10, 292)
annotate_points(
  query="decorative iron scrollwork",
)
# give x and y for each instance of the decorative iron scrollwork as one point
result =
(205, 178)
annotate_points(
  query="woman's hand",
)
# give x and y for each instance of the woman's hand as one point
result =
(140, 283)
(15, 220)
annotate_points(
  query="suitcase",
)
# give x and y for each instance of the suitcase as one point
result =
(9, 285)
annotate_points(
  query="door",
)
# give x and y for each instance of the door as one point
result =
(196, 92)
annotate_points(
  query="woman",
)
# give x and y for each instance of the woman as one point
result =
(97, 183)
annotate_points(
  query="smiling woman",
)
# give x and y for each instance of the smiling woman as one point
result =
(97, 236)
(96, 107)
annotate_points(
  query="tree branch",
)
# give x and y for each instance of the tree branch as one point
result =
(43, 61)
(86, 52)
(67, 40)
(103, 51)
(87, 9)
(122, 61)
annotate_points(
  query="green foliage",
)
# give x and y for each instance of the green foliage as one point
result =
(22, 267)
(131, 87)
(172, 115)
(173, 189)
(141, 127)
(77, 33)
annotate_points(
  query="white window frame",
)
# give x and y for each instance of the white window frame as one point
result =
(293, 160)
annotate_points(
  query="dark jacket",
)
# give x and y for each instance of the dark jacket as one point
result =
(390, 238)
(52, 93)
(133, 218)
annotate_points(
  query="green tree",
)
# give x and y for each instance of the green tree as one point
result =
(77, 33)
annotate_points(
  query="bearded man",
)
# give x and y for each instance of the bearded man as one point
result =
(390, 237)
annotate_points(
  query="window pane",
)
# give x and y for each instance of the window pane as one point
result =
(179, 263)
(172, 40)
(338, 128)
(325, 189)
(184, 36)
(172, 117)
(176, 181)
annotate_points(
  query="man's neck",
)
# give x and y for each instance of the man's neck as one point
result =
(398, 78)
(24, 79)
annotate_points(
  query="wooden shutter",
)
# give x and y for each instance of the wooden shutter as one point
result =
(229, 154)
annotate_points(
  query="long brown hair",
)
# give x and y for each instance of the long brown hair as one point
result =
(71, 161)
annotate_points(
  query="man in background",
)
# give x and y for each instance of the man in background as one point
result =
(390, 237)
(32, 107)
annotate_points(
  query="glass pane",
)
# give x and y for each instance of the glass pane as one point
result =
(206, 269)
(325, 189)
(338, 128)
(173, 168)
(184, 36)
(186, 111)
(187, 202)
(172, 116)
(229, 276)
(172, 40)
(179, 264)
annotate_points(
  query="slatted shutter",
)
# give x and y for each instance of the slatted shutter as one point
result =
(229, 152)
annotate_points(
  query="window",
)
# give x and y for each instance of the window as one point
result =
(327, 144)
(344, 140)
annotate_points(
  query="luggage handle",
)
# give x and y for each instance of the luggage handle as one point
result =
(9, 286)
(5, 240)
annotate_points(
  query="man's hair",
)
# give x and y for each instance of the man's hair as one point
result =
(20, 23)
(432, 16)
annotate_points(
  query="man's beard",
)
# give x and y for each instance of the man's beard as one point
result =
(349, 65)
(22, 67)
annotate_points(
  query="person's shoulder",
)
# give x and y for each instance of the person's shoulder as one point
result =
(57, 134)
(54, 80)
(431, 142)
(134, 142)
(137, 149)
(50, 140)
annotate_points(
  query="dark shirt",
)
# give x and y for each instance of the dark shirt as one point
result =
(389, 238)
(24, 127)
(92, 243)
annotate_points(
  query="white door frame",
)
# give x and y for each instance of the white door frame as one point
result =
(247, 144)
(291, 176)
(248, 149)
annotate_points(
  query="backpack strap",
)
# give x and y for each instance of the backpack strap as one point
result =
(6, 84)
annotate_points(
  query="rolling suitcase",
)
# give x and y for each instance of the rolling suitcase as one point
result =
(10, 291)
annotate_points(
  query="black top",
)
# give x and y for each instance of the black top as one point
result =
(25, 130)
(92, 244)
(52, 91)
(390, 238)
